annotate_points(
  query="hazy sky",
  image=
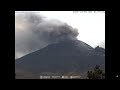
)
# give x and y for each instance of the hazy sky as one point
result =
(90, 25)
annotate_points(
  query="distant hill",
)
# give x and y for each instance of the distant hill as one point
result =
(101, 44)
(63, 57)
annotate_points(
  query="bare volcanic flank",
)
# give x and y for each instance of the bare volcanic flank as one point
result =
(67, 56)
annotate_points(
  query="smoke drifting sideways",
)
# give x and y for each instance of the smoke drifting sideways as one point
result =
(34, 31)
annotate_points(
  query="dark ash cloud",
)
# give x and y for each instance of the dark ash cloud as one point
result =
(33, 32)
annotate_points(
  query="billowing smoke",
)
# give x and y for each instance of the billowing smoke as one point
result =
(34, 31)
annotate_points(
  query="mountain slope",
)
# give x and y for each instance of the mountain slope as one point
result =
(66, 56)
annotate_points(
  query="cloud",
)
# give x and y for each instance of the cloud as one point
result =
(33, 32)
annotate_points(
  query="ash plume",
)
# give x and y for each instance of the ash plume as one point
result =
(34, 31)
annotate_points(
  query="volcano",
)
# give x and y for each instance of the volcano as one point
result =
(65, 56)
